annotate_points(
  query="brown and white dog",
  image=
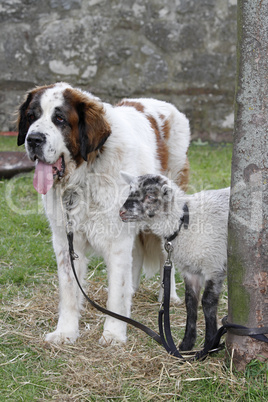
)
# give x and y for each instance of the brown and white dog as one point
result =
(80, 145)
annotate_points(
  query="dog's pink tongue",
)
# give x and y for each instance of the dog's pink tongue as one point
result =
(43, 176)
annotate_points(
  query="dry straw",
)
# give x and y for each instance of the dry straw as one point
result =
(139, 370)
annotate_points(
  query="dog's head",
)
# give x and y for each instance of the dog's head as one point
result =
(58, 123)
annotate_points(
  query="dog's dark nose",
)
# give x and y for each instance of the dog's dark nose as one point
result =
(35, 140)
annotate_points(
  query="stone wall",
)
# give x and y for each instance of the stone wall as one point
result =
(183, 51)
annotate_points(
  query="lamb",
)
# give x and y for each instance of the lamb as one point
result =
(200, 250)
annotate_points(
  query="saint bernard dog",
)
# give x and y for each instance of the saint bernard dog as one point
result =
(80, 145)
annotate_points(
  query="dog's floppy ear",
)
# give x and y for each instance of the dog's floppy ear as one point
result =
(92, 126)
(22, 122)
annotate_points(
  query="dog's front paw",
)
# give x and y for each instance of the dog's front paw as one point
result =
(174, 298)
(61, 337)
(111, 339)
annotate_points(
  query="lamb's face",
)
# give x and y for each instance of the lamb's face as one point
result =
(148, 198)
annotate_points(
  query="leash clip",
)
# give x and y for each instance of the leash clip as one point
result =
(169, 249)
(70, 238)
(69, 222)
(75, 256)
(69, 226)
(168, 263)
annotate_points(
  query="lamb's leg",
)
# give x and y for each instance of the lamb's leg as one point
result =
(192, 293)
(210, 305)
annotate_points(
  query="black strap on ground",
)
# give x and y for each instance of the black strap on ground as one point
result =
(165, 338)
(128, 320)
(214, 345)
(165, 331)
(240, 330)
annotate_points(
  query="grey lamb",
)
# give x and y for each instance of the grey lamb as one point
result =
(200, 251)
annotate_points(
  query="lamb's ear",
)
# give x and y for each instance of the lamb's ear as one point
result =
(166, 192)
(128, 177)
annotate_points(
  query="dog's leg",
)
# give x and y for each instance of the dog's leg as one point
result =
(71, 297)
(119, 265)
(138, 256)
(192, 293)
(174, 298)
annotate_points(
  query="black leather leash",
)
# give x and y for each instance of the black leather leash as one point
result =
(165, 338)
(154, 335)
(214, 345)
(164, 327)
(73, 256)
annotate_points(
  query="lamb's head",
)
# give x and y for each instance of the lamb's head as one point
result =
(149, 197)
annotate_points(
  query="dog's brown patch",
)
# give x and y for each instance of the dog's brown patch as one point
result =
(162, 148)
(137, 105)
(183, 176)
(166, 129)
(162, 134)
(86, 118)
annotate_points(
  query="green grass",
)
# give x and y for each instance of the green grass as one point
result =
(9, 144)
(26, 365)
(24, 233)
(210, 166)
(31, 370)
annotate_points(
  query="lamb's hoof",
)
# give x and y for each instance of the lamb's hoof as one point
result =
(186, 346)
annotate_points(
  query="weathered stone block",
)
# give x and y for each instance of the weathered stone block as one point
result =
(182, 51)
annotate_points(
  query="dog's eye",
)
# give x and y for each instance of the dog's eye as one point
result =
(59, 119)
(31, 118)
